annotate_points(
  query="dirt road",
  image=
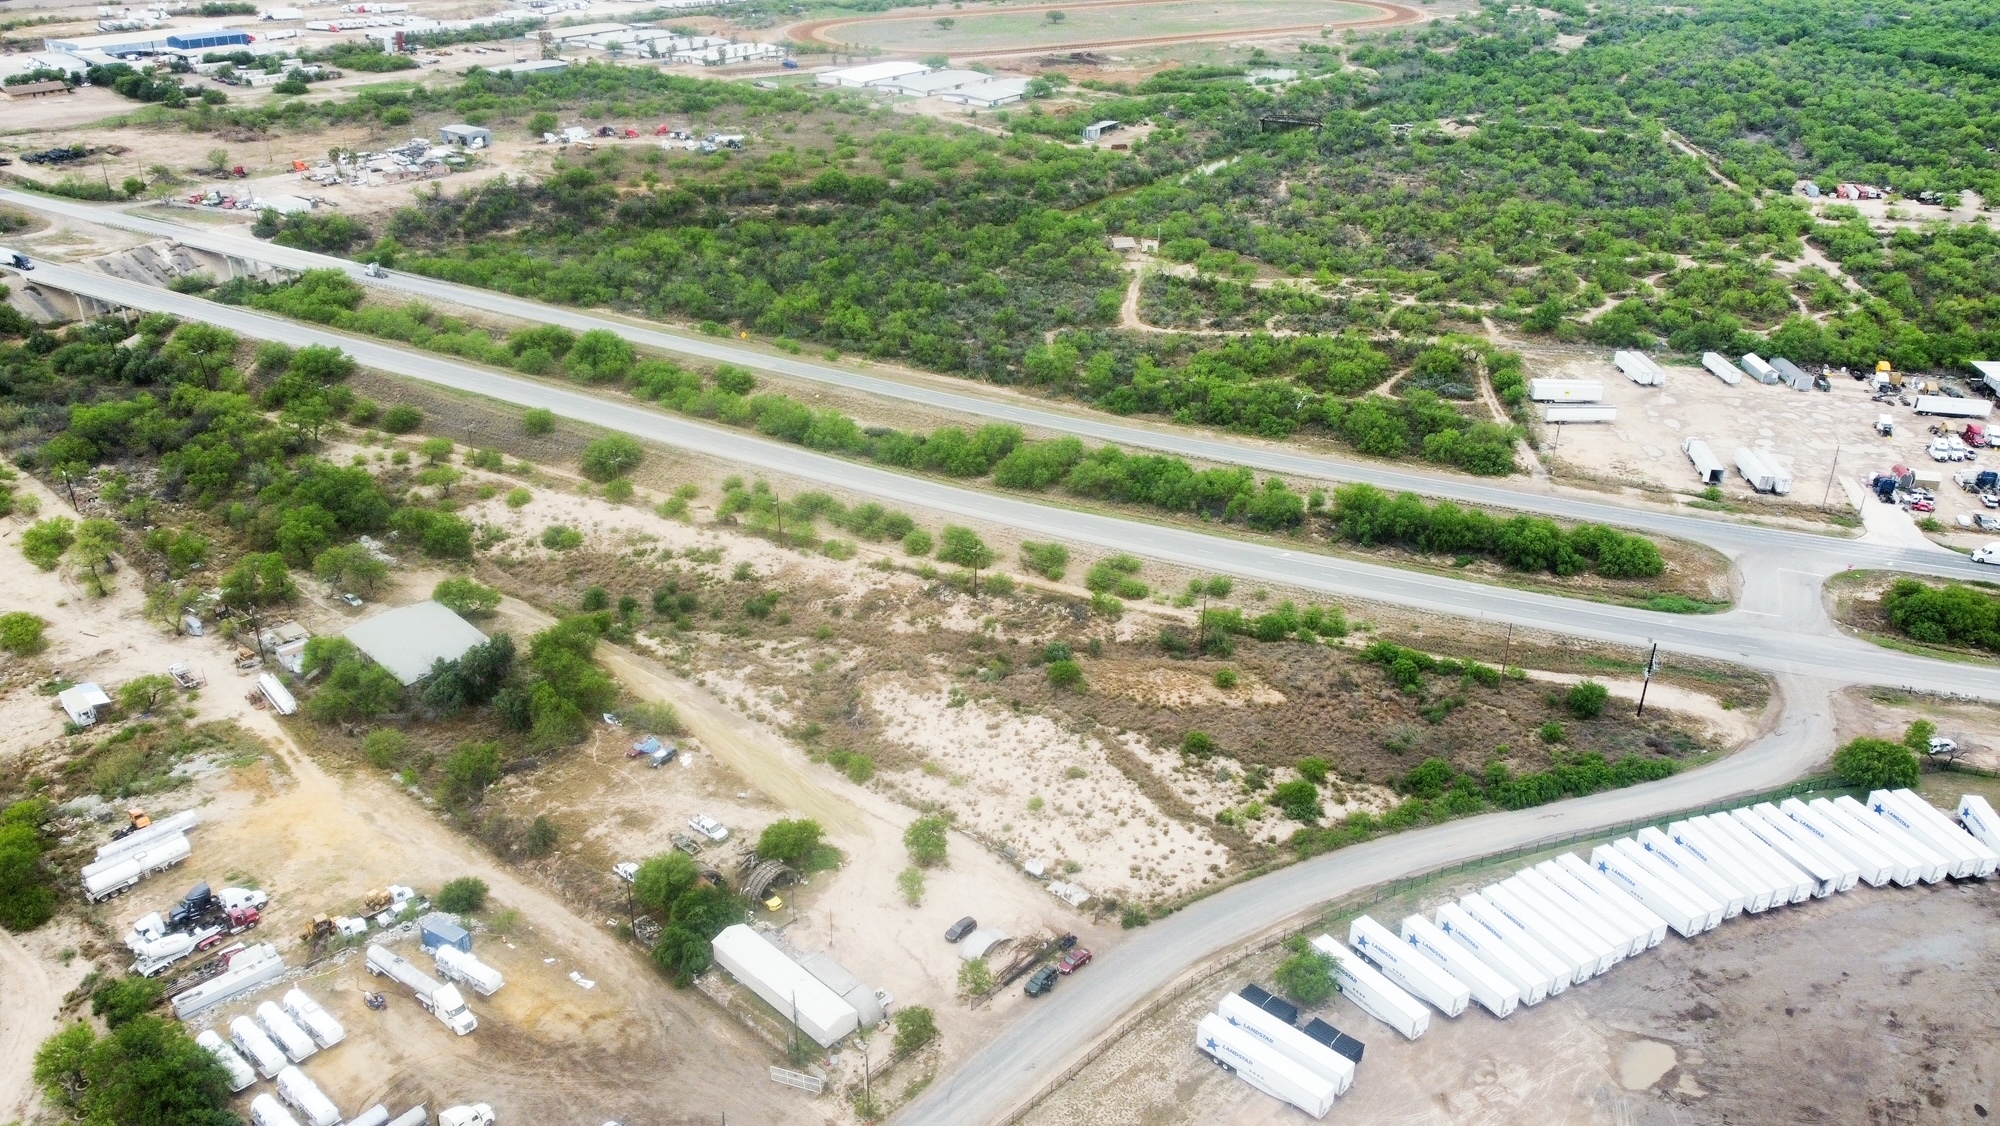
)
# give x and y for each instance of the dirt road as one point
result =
(33, 1002)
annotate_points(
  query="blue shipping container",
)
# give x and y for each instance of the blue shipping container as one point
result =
(439, 929)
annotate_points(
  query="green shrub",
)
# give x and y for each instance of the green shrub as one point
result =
(401, 419)
(1876, 764)
(462, 896)
(1586, 699)
(927, 840)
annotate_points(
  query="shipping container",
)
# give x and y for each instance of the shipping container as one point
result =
(1263, 1068)
(1277, 1006)
(1557, 919)
(1556, 970)
(1873, 864)
(1757, 369)
(1492, 950)
(1489, 987)
(1707, 466)
(1932, 865)
(440, 929)
(257, 1047)
(241, 1074)
(1825, 877)
(1905, 866)
(1850, 870)
(304, 1095)
(1288, 1042)
(1404, 966)
(1373, 993)
(1561, 943)
(1691, 868)
(1565, 390)
(1663, 873)
(1686, 919)
(1908, 812)
(1650, 927)
(1751, 849)
(1606, 937)
(1719, 366)
(1977, 816)
(1790, 374)
(297, 1043)
(1763, 471)
(1760, 890)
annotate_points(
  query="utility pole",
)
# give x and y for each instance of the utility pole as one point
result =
(1507, 653)
(1652, 666)
(1829, 474)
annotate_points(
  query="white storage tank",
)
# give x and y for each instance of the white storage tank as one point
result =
(296, 1042)
(252, 1042)
(306, 1097)
(241, 1075)
(325, 1030)
(265, 1110)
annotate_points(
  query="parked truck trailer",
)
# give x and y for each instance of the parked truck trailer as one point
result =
(1420, 976)
(1931, 866)
(1288, 1042)
(1261, 1066)
(1559, 971)
(1873, 865)
(441, 1000)
(1758, 890)
(1374, 993)
(1685, 919)
(1488, 986)
(1496, 955)
(459, 966)
(1691, 869)
(124, 871)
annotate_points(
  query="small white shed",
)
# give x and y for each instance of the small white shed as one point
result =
(83, 702)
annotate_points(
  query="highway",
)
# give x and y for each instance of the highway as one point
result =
(1775, 630)
(960, 396)
(1780, 626)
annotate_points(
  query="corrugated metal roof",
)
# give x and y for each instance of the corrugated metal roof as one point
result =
(409, 639)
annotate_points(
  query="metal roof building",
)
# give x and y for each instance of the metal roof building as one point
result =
(797, 995)
(873, 74)
(998, 92)
(409, 639)
(466, 135)
(936, 81)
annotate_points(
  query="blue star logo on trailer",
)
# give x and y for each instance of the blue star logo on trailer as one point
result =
(1878, 807)
(1445, 927)
(1210, 1044)
(1604, 867)
(1361, 941)
(1412, 940)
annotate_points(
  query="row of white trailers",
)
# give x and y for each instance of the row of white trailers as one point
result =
(1563, 921)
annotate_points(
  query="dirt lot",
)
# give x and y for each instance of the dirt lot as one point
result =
(1760, 1021)
(1886, 713)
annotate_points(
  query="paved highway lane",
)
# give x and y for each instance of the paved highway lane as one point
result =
(1724, 534)
(1778, 642)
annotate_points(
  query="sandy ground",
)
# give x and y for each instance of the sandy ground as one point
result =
(1827, 439)
(1761, 1021)
(1727, 727)
(1886, 714)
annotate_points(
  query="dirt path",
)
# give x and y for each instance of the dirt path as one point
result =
(1523, 449)
(1392, 15)
(33, 1003)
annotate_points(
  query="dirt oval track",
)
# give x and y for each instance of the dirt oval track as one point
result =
(825, 31)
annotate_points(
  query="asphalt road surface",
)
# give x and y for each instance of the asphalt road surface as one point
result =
(1780, 626)
(1724, 534)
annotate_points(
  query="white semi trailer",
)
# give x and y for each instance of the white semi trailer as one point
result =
(1262, 1067)
(443, 1001)
(1758, 889)
(1682, 916)
(1905, 867)
(142, 838)
(1572, 876)
(1976, 814)
(1423, 978)
(241, 1074)
(1848, 872)
(1691, 869)
(305, 1096)
(1944, 830)
(325, 1030)
(1288, 1042)
(1874, 865)
(1487, 946)
(1560, 971)
(1711, 908)
(1488, 986)
(1584, 959)
(1595, 934)
(462, 967)
(1373, 993)
(1932, 866)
